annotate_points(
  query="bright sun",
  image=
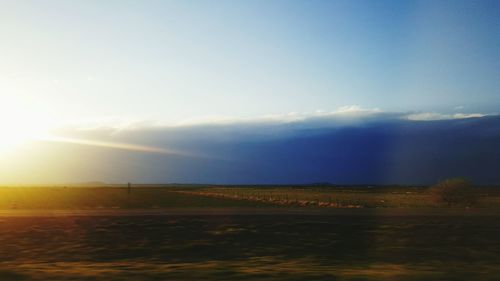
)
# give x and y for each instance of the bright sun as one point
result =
(19, 124)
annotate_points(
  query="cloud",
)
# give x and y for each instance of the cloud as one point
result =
(345, 115)
(372, 147)
(432, 116)
(113, 128)
(356, 109)
(350, 112)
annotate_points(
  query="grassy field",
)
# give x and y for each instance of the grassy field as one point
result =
(338, 197)
(59, 198)
(200, 233)
(220, 196)
(243, 247)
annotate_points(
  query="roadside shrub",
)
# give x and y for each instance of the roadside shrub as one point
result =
(456, 191)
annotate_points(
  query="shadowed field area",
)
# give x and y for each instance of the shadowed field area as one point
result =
(249, 247)
(61, 198)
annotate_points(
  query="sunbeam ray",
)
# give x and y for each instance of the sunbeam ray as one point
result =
(119, 145)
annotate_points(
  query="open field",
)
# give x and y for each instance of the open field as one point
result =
(342, 197)
(172, 196)
(181, 233)
(108, 198)
(249, 247)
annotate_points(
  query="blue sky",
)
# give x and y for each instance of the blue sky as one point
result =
(170, 61)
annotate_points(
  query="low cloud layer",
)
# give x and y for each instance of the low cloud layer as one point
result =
(353, 113)
(348, 146)
(432, 116)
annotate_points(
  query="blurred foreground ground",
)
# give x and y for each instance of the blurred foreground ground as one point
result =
(232, 245)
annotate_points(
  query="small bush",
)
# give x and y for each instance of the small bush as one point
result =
(456, 191)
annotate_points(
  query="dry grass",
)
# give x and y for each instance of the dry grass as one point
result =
(212, 197)
(93, 241)
(336, 197)
(105, 198)
(260, 247)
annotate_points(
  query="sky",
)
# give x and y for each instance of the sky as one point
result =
(346, 147)
(94, 74)
(171, 61)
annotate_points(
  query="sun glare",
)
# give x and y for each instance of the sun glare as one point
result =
(19, 124)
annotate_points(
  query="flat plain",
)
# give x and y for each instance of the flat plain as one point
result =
(160, 233)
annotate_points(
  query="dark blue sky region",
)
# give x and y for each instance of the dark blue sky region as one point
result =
(378, 149)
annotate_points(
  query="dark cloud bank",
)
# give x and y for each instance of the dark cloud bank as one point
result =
(380, 149)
